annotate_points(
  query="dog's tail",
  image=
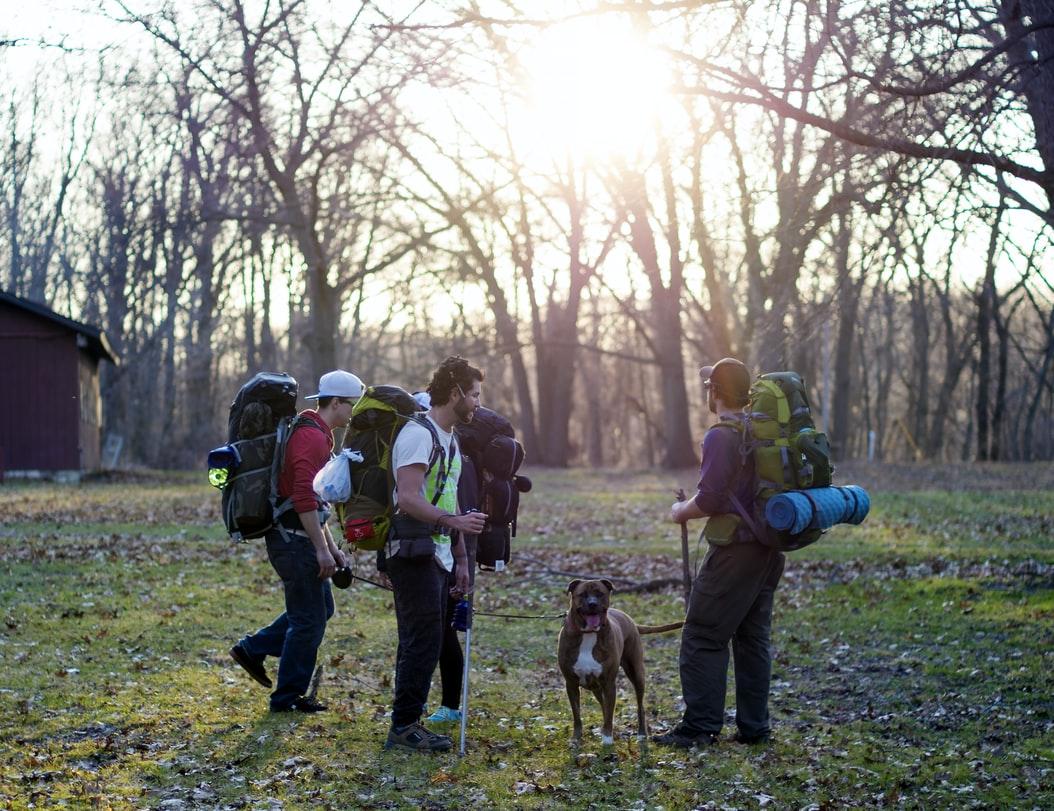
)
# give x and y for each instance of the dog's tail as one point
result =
(658, 629)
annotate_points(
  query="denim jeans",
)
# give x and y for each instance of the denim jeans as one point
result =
(731, 601)
(420, 613)
(296, 633)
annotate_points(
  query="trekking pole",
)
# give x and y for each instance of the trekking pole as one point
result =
(463, 621)
(686, 570)
(316, 680)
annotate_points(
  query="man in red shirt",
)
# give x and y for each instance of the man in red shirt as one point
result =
(303, 552)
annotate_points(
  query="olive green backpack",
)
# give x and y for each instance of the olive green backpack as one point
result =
(789, 454)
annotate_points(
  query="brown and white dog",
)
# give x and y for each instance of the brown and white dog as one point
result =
(594, 642)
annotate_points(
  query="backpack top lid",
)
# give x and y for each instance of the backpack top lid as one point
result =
(381, 403)
(780, 396)
(503, 456)
(473, 437)
(276, 390)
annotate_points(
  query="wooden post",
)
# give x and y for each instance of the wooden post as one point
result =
(686, 569)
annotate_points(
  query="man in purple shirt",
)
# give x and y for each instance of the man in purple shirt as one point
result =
(732, 595)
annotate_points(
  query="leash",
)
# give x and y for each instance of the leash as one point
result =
(478, 613)
(372, 582)
(523, 616)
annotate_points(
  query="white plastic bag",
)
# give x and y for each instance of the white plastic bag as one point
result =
(333, 482)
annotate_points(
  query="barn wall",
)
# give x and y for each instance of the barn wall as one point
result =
(39, 393)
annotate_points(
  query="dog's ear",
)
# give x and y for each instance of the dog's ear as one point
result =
(572, 586)
(609, 584)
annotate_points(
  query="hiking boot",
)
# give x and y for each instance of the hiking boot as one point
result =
(302, 704)
(445, 715)
(417, 739)
(253, 667)
(684, 739)
(752, 740)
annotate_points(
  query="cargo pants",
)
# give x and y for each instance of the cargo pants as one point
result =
(731, 601)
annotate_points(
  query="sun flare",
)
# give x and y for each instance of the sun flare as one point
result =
(595, 89)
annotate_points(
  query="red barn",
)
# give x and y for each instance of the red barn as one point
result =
(50, 409)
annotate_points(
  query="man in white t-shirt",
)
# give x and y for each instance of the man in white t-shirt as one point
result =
(426, 539)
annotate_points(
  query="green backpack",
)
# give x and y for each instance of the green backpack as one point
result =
(789, 454)
(376, 420)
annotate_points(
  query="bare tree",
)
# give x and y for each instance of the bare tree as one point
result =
(314, 99)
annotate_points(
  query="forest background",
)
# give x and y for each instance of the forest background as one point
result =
(586, 199)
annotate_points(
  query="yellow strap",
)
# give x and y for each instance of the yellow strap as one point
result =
(783, 413)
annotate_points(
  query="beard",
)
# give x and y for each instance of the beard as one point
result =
(464, 412)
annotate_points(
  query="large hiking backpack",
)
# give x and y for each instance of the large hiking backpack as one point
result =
(376, 420)
(490, 446)
(789, 454)
(261, 420)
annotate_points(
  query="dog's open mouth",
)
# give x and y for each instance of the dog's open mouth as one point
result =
(592, 622)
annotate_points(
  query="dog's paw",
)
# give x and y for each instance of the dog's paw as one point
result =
(607, 740)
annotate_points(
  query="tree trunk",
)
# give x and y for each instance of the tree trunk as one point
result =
(849, 306)
(1033, 58)
(920, 331)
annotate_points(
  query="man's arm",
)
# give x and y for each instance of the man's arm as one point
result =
(307, 453)
(327, 564)
(462, 584)
(340, 558)
(410, 480)
(686, 510)
(718, 472)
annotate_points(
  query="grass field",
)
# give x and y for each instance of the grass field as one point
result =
(914, 659)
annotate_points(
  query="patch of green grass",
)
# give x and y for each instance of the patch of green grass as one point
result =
(907, 671)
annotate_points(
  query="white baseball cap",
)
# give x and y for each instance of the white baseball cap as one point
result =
(338, 384)
(424, 401)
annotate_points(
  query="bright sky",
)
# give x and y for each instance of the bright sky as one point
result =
(74, 23)
(596, 87)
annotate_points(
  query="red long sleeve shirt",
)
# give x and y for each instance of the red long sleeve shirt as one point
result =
(305, 455)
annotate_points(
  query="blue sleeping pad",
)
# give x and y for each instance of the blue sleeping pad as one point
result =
(821, 507)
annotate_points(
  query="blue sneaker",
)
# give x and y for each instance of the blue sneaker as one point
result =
(445, 715)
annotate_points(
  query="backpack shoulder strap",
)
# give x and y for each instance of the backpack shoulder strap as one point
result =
(746, 447)
(439, 456)
(286, 428)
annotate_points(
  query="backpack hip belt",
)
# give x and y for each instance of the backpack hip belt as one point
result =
(405, 527)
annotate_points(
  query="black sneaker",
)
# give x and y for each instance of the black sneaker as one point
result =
(302, 704)
(251, 666)
(417, 739)
(752, 740)
(685, 740)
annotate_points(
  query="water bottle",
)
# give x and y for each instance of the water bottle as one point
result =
(461, 615)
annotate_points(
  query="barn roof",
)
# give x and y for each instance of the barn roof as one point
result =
(94, 338)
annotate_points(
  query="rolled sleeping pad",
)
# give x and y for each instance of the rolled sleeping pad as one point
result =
(820, 507)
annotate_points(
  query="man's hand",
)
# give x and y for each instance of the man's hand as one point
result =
(468, 524)
(684, 510)
(461, 586)
(326, 564)
(339, 558)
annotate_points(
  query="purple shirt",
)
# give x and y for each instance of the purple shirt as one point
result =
(723, 466)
